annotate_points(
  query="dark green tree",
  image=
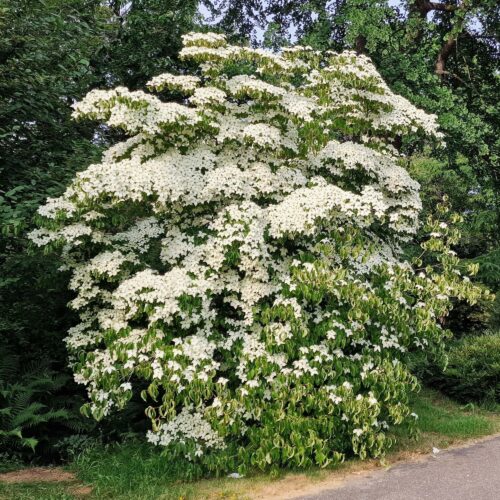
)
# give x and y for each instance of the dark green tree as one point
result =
(52, 52)
(145, 39)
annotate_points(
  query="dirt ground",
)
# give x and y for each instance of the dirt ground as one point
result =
(46, 475)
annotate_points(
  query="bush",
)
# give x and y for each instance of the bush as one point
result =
(473, 372)
(241, 253)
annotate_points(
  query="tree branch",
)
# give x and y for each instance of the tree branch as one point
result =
(443, 7)
(442, 58)
(425, 6)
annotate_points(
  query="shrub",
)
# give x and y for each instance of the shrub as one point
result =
(473, 372)
(241, 252)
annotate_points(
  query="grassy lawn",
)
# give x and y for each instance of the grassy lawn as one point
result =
(139, 472)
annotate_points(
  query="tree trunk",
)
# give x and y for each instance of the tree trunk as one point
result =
(360, 44)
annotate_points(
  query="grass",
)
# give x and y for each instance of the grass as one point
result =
(136, 471)
(32, 491)
(445, 422)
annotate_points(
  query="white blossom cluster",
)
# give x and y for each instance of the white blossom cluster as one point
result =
(188, 425)
(183, 83)
(240, 252)
(135, 111)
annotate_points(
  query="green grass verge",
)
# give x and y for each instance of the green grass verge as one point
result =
(139, 472)
(446, 422)
(32, 491)
(441, 416)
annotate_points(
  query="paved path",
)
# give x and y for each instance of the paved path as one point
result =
(470, 473)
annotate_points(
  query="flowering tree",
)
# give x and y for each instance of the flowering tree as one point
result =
(240, 252)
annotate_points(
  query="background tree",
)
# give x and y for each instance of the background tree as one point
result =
(52, 53)
(146, 38)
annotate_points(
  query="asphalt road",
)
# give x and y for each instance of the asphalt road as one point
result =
(470, 473)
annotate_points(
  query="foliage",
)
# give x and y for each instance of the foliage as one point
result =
(45, 55)
(408, 45)
(464, 193)
(240, 252)
(477, 229)
(473, 372)
(51, 53)
(31, 409)
(145, 39)
(73, 446)
(136, 471)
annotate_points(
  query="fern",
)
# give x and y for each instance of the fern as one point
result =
(29, 402)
